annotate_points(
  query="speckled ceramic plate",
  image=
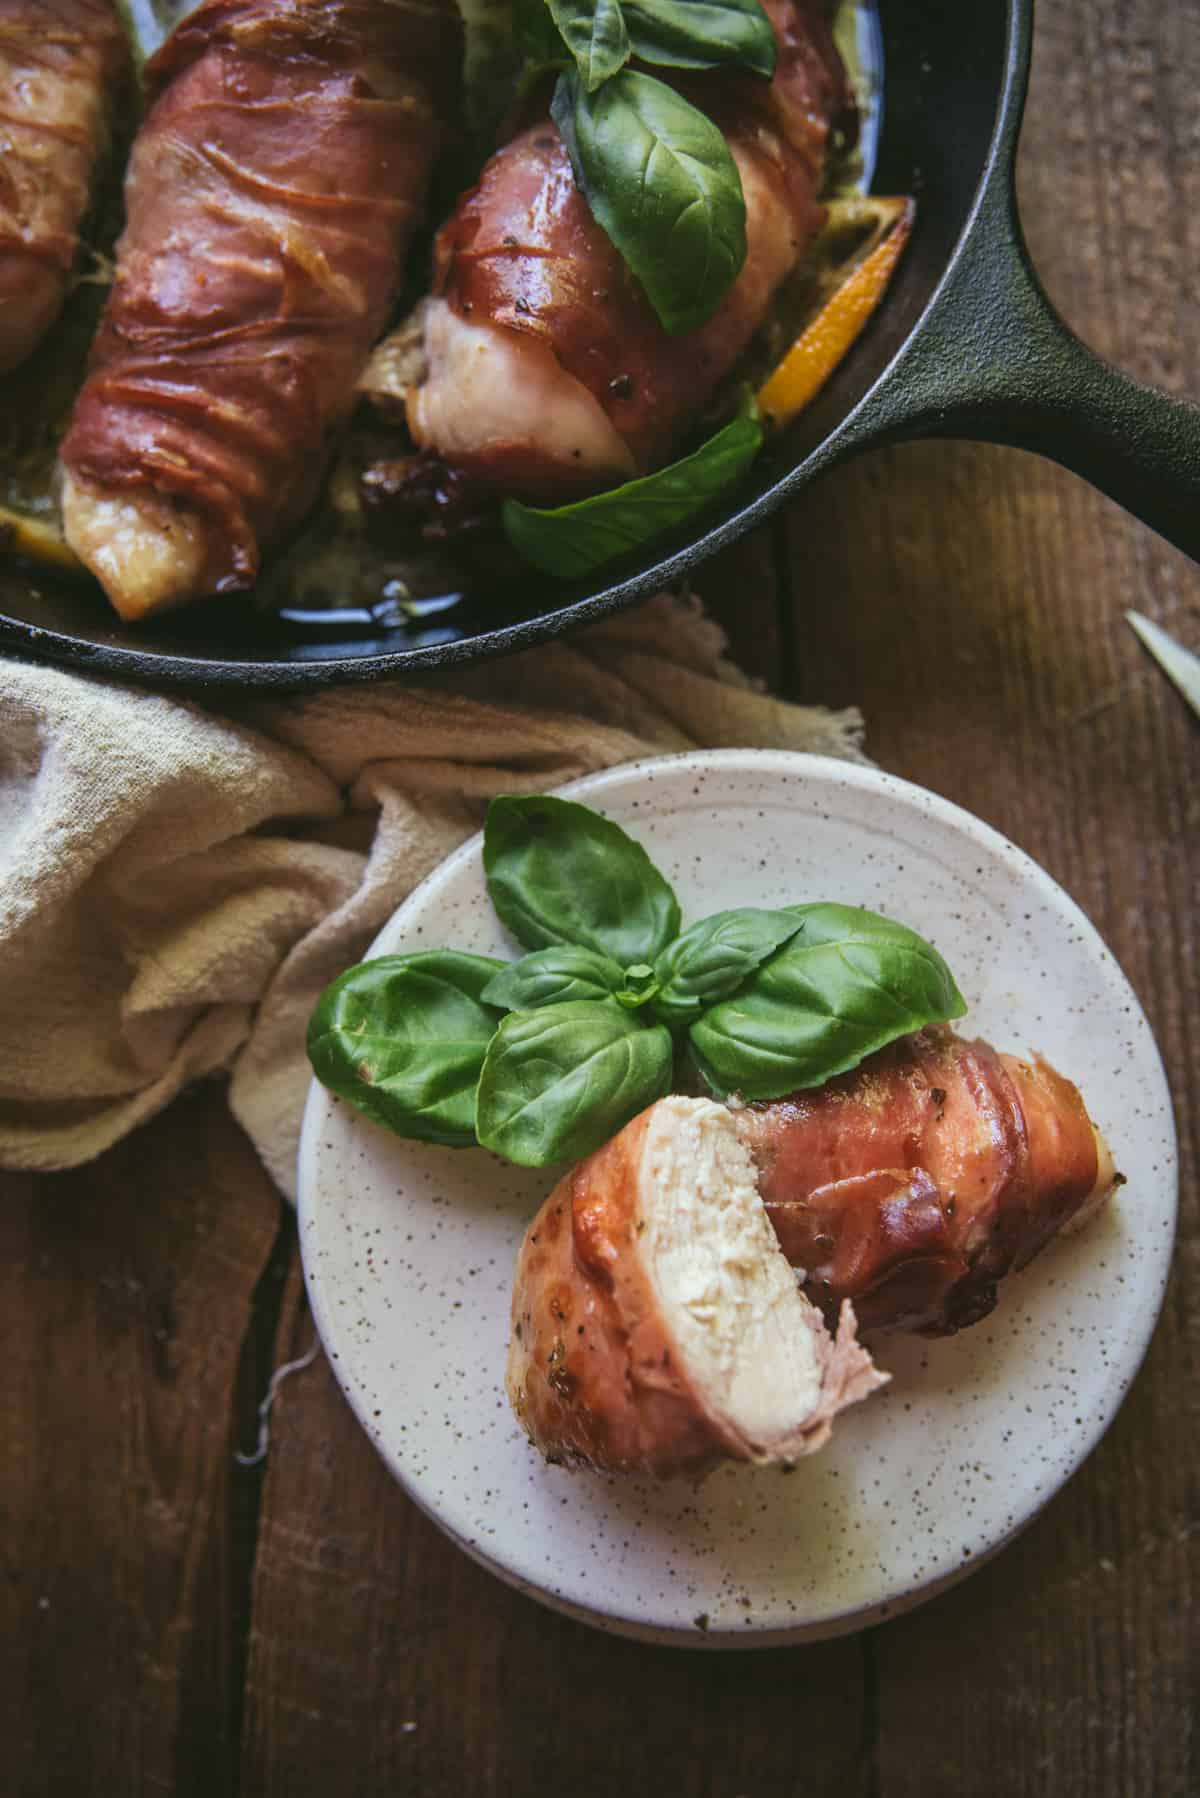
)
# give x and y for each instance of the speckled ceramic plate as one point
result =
(409, 1250)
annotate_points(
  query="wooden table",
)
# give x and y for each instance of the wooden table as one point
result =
(172, 1622)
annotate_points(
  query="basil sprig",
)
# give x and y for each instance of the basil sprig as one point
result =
(601, 35)
(655, 171)
(846, 984)
(594, 32)
(660, 180)
(554, 976)
(576, 538)
(714, 957)
(403, 1039)
(560, 873)
(544, 1058)
(558, 1082)
(702, 34)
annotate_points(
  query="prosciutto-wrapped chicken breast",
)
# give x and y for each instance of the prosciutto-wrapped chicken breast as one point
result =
(270, 198)
(548, 372)
(657, 1328)
(914, 1184)
(674, 1295)
(60, 64)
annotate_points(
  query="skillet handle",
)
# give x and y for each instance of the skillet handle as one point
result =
(993, 361)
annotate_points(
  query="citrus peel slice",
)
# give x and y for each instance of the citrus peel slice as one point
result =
(830, 334)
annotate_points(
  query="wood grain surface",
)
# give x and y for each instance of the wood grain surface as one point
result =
(173, 1622)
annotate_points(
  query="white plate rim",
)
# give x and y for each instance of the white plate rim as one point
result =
(789, 764)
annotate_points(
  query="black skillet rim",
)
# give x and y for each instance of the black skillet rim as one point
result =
(150, 668)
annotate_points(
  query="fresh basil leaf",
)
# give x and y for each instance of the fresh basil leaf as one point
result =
(702, 34)
(847, 984)
(403, 1038)
(710, 961)
(553, 976)
(594, 33)
(661, 182)
(558, 872)
(558, 1082)
(638, 987)
(537, 35)
(574, 539)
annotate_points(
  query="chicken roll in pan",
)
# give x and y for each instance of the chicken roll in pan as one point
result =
(547, 374)
(270, 198)
(676, 1294)
(61, 64)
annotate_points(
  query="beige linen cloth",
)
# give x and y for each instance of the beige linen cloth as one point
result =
(177, 885)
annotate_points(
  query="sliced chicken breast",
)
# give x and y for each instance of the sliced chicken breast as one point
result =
(657, 1327)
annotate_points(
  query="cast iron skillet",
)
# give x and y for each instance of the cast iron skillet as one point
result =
(966, 345)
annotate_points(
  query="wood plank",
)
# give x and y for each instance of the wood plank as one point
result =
(740, 586)
(382, 1659)
(126, 1291)
(1109, 179)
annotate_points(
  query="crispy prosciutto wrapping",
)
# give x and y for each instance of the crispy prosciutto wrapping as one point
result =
(549, 374)
(693, 1290)
(914, 1184)
(60, 61)
(657, 1328)
(269, 201)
